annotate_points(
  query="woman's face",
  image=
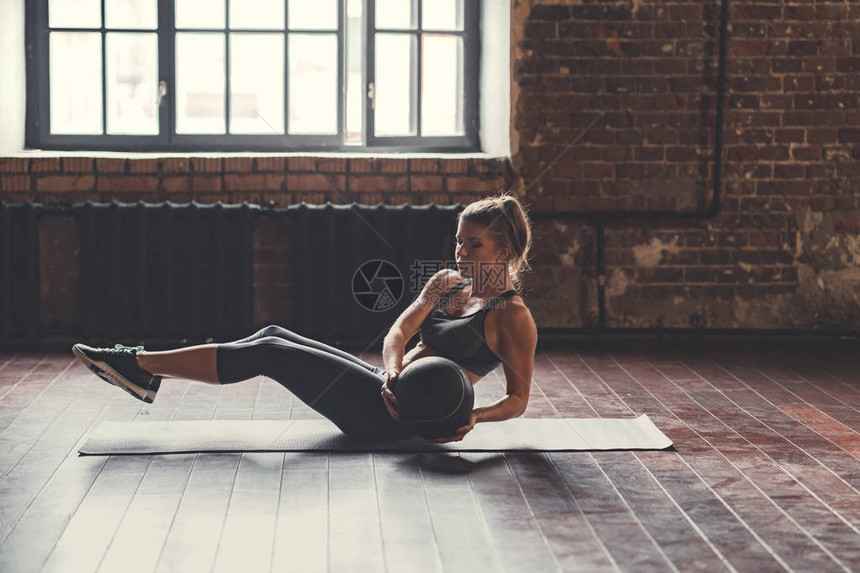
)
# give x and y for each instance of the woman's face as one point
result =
(475, 247)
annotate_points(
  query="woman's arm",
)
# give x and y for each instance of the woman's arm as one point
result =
(406, 325)
(393, 349)
(517, 343)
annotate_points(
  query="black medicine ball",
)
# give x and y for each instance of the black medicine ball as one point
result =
(436, 397)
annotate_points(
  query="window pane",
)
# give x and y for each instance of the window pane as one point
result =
(393, 85)
(396, 14)
(263, 14)
(75, 14)
(200, 14)
(132, 83)
(442, 86)
(256, 84)
(76, 82)
(355, 73)
(313, 15)
(140, 14)
(200, 81)
(313, 83)
(442, 15)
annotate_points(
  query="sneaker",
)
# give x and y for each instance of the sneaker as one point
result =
(118, 366)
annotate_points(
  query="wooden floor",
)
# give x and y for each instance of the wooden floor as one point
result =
(766, 475)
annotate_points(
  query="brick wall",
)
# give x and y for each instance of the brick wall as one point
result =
(782, 252)
(269, 179)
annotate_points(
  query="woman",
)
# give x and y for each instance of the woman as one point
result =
(472, 315)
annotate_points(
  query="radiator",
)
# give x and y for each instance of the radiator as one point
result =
(333, 242)
(165, 271)
(171, 273)
(19, 271)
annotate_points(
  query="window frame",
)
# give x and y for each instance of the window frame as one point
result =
(37, 130)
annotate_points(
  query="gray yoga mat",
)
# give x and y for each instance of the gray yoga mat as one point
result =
(521, 434)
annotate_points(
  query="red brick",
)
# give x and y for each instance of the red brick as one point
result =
(64, 183)
(455, 165)
(175, 165)
(302, 164)
(679, 153)
(45, 164)
(551, 13)
(390, 165)
(14, 165)
(206, 164)
(849, 170)
(474, 184)
(426, 183)
(598, 170)
(121, 183)
(238, 164)
(806, 153)
(776, 153)
(788, 135)
(143, 166)
(274, 182)
(336, 183)
(465, 198)
(484, 167)
(249, 182)
(763, 238)
(648, 153)
(424, 165)
(210, 198)
(312, 198)
(788, 171)
(78, 165)
(307, 182)
(206, 183)
(363, 165)
(110, 165)
(17, 197)
(271, 163)
(569, 171)
(176, 184)
(237, 198)
(332, 165)
(370, 183)
(370, 198)
(10, 183)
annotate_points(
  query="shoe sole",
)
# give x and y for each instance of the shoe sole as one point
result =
(111, 376)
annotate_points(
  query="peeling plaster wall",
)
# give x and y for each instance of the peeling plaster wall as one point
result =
(828, 268)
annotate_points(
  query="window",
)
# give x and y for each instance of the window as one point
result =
(253, 75)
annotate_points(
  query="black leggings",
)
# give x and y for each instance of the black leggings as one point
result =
(341, 387)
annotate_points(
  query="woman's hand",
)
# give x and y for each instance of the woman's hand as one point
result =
(461, 432)
(388, 396)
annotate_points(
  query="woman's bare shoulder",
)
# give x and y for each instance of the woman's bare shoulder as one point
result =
(516, 318)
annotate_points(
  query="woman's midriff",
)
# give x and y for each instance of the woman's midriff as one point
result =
(421, 350)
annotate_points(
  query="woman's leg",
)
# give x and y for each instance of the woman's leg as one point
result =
(343, 391)
(199, 362)
(291, 336)
(191, 363)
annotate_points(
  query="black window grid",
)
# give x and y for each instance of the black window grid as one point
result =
(38, 133)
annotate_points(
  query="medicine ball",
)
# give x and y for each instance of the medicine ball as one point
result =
(435, 396)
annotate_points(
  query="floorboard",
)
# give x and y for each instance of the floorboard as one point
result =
(765, 474)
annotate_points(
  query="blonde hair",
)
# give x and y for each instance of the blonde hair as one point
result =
(508, 224)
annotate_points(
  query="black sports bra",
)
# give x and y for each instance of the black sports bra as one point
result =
(461, 338)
